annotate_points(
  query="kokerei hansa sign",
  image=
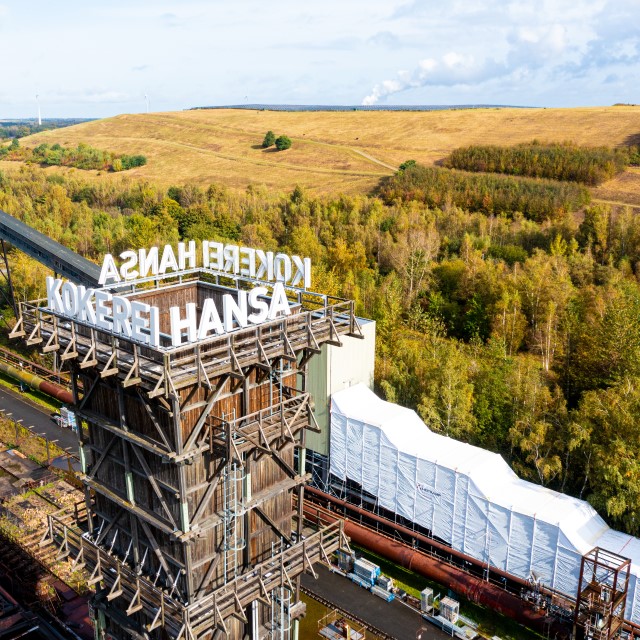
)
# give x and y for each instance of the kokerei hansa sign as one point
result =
(139, 321)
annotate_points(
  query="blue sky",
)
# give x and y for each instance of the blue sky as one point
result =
(93, 59)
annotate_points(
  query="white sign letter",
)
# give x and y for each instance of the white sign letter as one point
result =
(261, 307)
(54, 301)
(109, 270)
(279, 302)
(178, 324)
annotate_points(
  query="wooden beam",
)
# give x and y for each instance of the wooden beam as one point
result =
(135, 605)
(271, 523)
(214, 479)
(130, 436)
(154, 485)
(88, 393)
(154, 420)
(103, 534)
(102, 457)
(142, 514)
(115, 591)
(108, 369)
(212, 567)
(213, 396)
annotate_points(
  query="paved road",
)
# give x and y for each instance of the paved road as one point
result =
(33, 415)
(393, 618)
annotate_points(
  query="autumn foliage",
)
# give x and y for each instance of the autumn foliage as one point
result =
(571, 163)
(536, 199)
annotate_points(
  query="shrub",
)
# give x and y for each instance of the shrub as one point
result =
(407, 164)
(269, 139)
(283, 143)
(129, 162)
(82, 157)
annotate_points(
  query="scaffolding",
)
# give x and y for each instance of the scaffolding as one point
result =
(193, 498)
(602, 596)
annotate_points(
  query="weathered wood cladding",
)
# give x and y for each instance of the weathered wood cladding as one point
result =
(107, 405)
(264, 473)
(167, 426)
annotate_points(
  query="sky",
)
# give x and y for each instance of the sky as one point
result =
(98, 58)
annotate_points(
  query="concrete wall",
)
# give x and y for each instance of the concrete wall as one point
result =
(337, 368)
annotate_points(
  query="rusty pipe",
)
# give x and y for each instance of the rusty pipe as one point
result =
(470, 587)
(37, 383)
(418, 536)
(629, 626)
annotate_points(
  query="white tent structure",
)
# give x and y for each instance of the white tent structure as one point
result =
(469, 497)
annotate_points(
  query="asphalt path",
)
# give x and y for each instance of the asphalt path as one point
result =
(394, 618)
(37, 418)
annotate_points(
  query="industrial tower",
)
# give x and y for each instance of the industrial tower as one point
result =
(193, 463)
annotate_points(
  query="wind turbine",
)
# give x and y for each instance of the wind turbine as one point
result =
(39, 116)
(146, 99)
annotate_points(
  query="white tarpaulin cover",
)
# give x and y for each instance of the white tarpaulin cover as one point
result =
(467, 496)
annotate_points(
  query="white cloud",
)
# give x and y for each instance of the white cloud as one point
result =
(197, 52)
(451, 69)
(530, 47)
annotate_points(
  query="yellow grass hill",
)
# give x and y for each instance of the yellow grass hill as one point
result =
(335, 151)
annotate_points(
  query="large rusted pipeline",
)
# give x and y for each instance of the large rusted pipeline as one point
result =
(631, 627)
(472, 588)
(418, 536)
(36, 382)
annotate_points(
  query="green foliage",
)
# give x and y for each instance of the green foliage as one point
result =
(283, 143)
(21, 128)
(407, 164)
(634, 155)
(537, 200)
(130, 162)
(505, 332)
(81, 157)
(588, 165)
(269, 139)
(510, 253)
(607, 423)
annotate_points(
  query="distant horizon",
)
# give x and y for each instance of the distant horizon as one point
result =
(322, 107)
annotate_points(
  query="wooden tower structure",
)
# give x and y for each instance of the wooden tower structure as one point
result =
(193, 463)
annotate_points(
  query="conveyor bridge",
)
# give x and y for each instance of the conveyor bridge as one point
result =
(50, 253)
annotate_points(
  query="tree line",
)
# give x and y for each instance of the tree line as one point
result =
(81, 157)
(21, 128)
(536, 199)
(566, 162)
(518, 335)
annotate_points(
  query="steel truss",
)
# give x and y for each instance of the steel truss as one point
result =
(602, 595)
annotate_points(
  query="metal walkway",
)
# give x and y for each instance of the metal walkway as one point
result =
(48, 252)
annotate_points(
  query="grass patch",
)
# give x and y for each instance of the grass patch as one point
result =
(489, 622)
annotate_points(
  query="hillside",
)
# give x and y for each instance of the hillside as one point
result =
(334, 151)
